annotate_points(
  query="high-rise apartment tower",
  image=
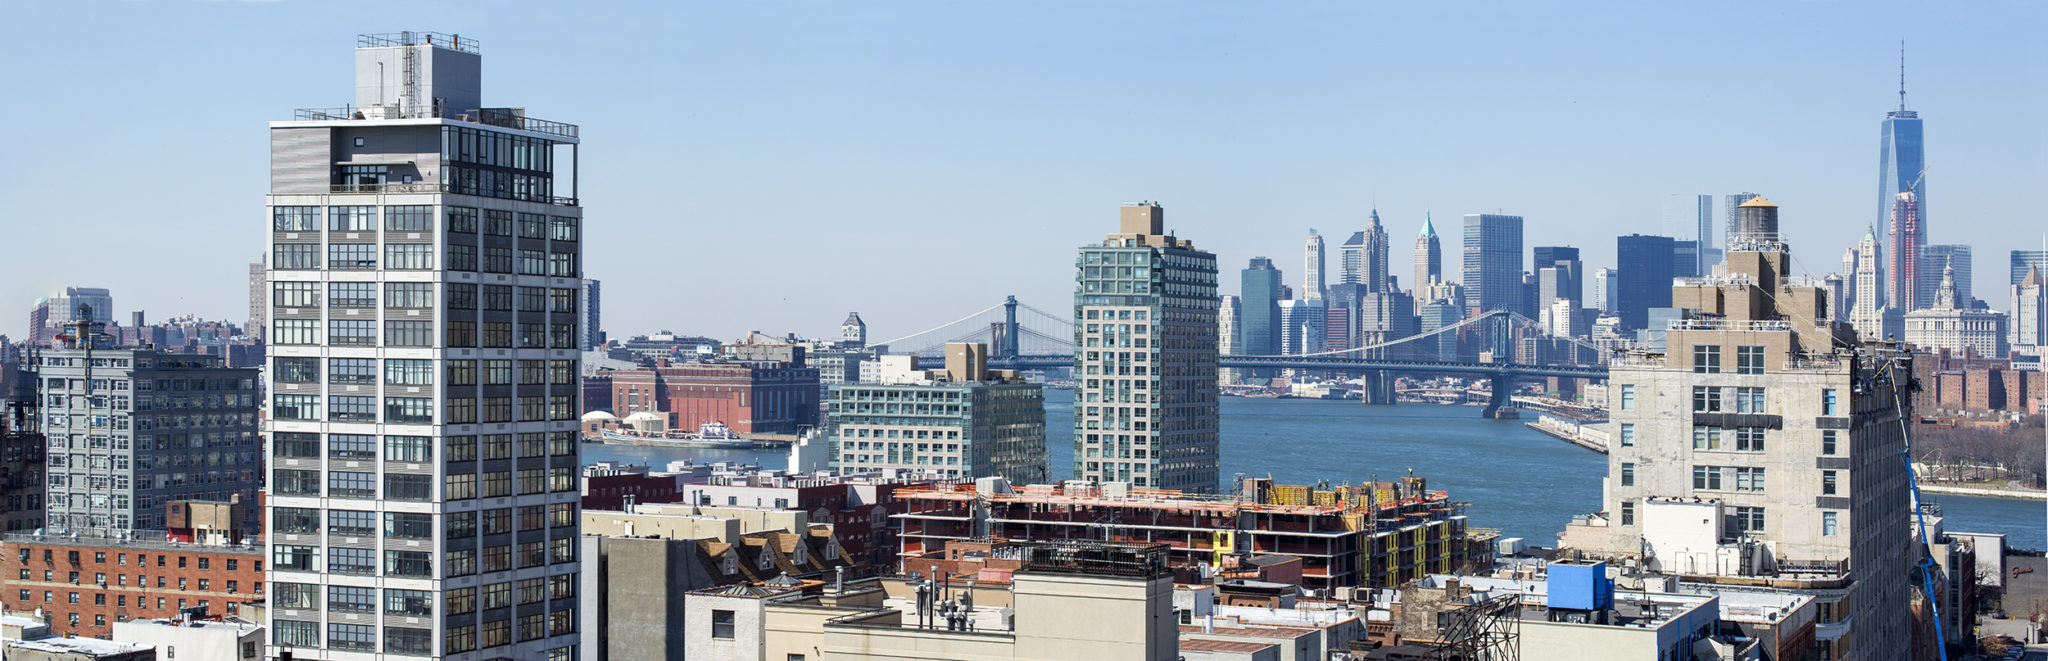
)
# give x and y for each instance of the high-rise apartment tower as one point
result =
(1145, 358)
(425, 272)
(1312, 282)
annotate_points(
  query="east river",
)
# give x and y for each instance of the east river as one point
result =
(1518, 480)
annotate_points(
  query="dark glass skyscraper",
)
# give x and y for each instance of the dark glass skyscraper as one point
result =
(1901, 157)
(1259, 323)
(1643, 265)
(1493, 262)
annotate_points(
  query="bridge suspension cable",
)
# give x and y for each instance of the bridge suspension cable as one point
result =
(943, 326)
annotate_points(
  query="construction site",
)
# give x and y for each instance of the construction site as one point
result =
(1375, 535)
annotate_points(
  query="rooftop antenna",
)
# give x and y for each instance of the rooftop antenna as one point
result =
(1902, 75)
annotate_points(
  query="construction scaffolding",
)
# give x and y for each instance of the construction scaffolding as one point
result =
(1379, 534)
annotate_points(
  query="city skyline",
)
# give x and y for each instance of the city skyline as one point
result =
(895, 134)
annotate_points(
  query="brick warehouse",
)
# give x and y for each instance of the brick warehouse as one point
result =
(85, 585)
(752, 397)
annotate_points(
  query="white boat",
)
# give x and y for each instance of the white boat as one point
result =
(713, 435)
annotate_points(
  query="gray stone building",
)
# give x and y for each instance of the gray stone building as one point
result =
(1762, 448)
(132, 429)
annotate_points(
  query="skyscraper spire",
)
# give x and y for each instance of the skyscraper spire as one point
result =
(1902, 75)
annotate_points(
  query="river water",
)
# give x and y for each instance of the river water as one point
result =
(1518, 480)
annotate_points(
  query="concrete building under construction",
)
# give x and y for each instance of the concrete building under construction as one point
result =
(1379, 534)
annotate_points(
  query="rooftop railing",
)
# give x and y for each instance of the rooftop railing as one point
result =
(498, 117)
(444, 40)
(1730, 324)
(430, 187)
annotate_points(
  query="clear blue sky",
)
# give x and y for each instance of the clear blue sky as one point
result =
(772, 165)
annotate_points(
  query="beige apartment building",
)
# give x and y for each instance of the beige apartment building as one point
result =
(1762, 448)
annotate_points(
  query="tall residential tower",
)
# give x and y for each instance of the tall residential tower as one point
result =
(1145, 358)
(425, 269)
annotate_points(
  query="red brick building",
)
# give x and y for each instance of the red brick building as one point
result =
(85, 585)
(750, 397)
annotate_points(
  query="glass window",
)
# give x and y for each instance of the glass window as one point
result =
(408, 372)
(407, 640)
(461, 257)
(1706, 399)
(295, 331)
(533, 262)
(1827, 524)
(1749, 400)
(351, 294)
(497, 260)
(297, 370)
(497, 222)
(352, 332)
(409, 563)
(348, 484)
(533, 226)
(1827, 483)
(1706, 359)
(1628, 397)
(1749, 360)
(1628, 474)
(352, 219)
(409, 333)
(409, 218)
(352, 408)
(1749, 519)
(1749, 439)
(293, 633)
(295, 520)
(295, 595)
(352, 446)
(289, 256)
(295, 558)
(352, 370)
(350, 599)
(352, 636)
(1706, 478)
(409, 256)
(1827, 402)
(351, 256)
(562, 228)
(405, 486)
(1628, 434)
(409, 448)
(1749, 479)
(1827, 441)
(295, 407)
(408, 294)
(1706, 438)
(342, 560)
(462, 219)
(297, 482)
(295, 294)
(1628, 513)
(295, 219)
(408, 525)
(352, 523)
(721, 624)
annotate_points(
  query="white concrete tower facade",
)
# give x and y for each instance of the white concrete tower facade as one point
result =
(1312, 283)
(425, 266)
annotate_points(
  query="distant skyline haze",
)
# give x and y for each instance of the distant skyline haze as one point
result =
(774, 165)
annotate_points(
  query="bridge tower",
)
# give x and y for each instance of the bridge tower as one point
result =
(1007, 343)
(1376, 387)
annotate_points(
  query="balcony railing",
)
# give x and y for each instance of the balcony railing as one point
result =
(433, 187)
